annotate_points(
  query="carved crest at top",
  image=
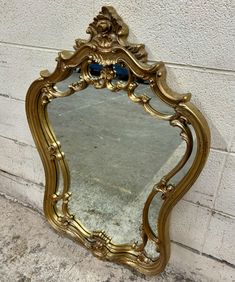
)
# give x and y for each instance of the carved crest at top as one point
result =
(108, 46)
(108, 30)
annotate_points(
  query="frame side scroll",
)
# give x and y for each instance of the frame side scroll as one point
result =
(108, 46)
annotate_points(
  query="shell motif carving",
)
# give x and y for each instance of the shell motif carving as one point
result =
(108, 45)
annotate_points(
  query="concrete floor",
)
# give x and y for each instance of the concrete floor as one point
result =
(115, 152)
(31, 251)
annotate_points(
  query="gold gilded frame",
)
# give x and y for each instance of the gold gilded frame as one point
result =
(107, 46)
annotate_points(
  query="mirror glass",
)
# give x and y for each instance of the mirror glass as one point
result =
(116, 152)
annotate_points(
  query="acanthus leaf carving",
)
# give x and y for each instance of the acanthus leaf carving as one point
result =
(108, 30)
(108, 46)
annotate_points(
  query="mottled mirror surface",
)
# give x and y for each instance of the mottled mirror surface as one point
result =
(116, 152)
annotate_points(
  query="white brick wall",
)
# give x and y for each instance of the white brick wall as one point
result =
(195, 38)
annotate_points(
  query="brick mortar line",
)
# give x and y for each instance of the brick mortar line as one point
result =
(18, 142)
(26, 205)
(40, 212)
(223, 151)
(25, 46)
(203, 254)
(10, 175)
(172, 64)
(226, 215)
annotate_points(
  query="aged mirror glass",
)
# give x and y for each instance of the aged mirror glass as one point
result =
(115, 153)
(119, 147)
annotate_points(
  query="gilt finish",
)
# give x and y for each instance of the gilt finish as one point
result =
(108, 46)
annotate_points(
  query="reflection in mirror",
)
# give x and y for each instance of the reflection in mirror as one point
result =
(116, 153)
(121, 175)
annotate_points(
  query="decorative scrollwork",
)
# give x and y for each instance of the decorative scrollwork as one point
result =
(46, 97)
(98, 242)
(163, 188)
(54, 151)
(108, 30)
(108, 46)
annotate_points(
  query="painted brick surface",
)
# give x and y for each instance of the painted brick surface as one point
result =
(226, 196)
(13, 122)
(22, 190)
(24, 65)
(188, 32)
(195, 38)
(185, 32)
(200, 267)
(22, 160)
(206, 86)
(213, 92)
(30, 252)
(51, 24)
(232, 149)
(204, 190)
(220, 238)
(189, 224)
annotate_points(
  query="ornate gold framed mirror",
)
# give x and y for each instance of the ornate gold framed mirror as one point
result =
(118, 167)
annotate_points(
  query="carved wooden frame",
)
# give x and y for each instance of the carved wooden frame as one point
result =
(107, 46)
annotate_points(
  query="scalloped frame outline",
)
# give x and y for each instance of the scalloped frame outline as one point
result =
(52, 157)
